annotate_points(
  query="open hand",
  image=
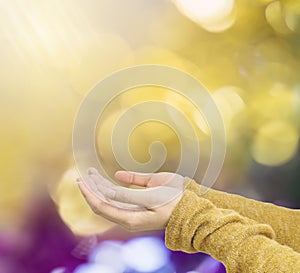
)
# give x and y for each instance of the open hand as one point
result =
(148, 208)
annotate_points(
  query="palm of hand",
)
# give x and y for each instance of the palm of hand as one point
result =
(148, 208)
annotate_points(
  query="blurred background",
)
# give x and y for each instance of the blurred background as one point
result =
(247, 54)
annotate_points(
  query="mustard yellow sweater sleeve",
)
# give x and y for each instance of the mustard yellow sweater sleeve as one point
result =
(241, 244)
(285, 222)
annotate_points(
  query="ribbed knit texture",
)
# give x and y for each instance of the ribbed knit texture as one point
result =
(223, 231)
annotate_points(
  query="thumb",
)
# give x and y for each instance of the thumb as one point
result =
(134, 178)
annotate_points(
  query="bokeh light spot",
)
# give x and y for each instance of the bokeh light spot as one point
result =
(95, 268)
(212, 15)
(151, 251)
(275, 18)
(275, 143)
(73, 208)
(107, 253)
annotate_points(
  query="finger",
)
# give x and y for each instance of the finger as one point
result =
(151, 179)
(148, 198)
(134, 178)
(106, 191)
(100, 180)
(91, 187)
(92, 171)
(114, 214)
(99, 188)
(125, 198)
(91, 199)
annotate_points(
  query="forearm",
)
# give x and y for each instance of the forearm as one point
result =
(285, 222)
(240, 243)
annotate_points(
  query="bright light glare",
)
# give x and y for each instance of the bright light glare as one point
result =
(109, 253)
(213, 15)
(145, 254)
(94, 268)
(58, 270)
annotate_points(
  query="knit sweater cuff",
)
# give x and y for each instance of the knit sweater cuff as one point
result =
(181, 228)
(197, 225)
